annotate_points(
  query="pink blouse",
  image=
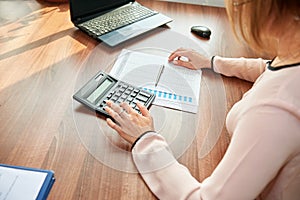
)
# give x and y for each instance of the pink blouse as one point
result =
(263, 158)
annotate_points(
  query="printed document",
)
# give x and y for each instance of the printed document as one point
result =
(20, 184)
(177, 88)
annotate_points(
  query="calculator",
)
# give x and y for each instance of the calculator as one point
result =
(103, 87)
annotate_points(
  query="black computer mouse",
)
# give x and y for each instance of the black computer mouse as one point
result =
(202, 31)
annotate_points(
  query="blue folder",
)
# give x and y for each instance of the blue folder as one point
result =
(48, 182)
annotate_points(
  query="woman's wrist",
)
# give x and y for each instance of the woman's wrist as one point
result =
(134, 143)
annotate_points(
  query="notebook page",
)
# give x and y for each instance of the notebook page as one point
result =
(178, 87)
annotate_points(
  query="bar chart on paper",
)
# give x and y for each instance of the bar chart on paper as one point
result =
(178, 88)
(169, 96)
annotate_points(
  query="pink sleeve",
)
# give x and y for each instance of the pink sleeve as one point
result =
(166, 178)
(254, 157)
(248, 69)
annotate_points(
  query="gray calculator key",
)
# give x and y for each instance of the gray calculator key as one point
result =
(118, 94)
(122, 89)
(133, 94)
(114, 99)
(102, 105)
(127, 92)
(129, 99)
(109, 95)
(145, 94)
(124, 96)
(142, 98)
(130, 88)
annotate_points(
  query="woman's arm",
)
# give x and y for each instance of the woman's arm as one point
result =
(254, 157)
(243, 68)
(264, 138)
(248, 69)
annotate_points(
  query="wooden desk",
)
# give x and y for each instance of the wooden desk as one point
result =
(41, 59)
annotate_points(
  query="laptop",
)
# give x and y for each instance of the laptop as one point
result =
(114, 21)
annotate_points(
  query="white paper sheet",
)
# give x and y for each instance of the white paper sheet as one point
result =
(178, 87)
(20, 184)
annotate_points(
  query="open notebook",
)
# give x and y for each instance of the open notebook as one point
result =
(178, 87)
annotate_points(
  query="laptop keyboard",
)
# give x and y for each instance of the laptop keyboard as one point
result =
(117, 19)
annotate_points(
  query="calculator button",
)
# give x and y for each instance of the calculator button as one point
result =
(145, 94)
(135, 101)
(122, 99)
(118, 94)
(124, 96)
(114, 99)
(130, 88)
(109, 95)
(127, 92)
(133, 94)
(142, 98)
(122, 89)
(130, 99)
(104, 101)
(103, 104)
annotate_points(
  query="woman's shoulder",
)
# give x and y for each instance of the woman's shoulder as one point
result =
(279, 88)
(272, 91)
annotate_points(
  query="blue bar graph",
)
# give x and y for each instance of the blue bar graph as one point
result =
(170, 96)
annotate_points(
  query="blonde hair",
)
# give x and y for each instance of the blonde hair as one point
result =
(250, 18)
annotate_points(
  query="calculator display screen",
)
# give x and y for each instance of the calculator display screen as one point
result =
(100, 89)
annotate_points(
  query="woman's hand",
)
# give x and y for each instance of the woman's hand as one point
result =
(194, 59)
(129, 124)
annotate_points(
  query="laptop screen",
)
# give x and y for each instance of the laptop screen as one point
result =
(84, 8)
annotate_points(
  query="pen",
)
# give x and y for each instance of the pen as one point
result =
(159, 74)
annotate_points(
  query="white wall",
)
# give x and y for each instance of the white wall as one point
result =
(218, 3)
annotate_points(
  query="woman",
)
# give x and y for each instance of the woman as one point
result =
(263, 158)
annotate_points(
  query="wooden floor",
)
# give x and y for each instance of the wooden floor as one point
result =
(44, 59)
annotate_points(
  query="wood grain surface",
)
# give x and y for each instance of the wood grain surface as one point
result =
(44, 59)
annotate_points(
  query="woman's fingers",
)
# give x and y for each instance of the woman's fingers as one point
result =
(127, 108)
(143, 110)
(113, 125)
(179, 53)
(114, 107)
(128, 122)
(115, 111)
(119, 130)
(174, 55)
(184, 58)
(183, 64)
